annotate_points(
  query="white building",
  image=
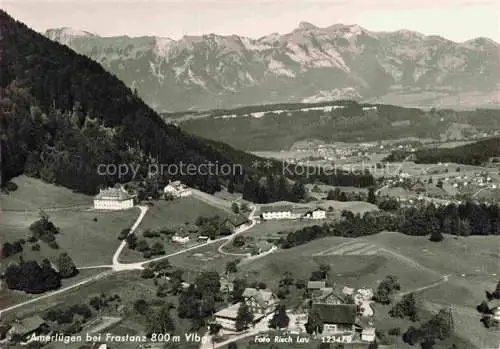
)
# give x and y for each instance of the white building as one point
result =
(291, 212)
(495, 309)
(368, 334)
(276, 212)
(113, 199)
(180, 239)
(318, 213)
(176, 190)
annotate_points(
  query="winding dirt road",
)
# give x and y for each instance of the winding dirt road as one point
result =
(117, 266)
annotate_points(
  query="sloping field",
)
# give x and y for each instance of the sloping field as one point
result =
(89, 237)
(33, 194)
(171, 214)
(456, 271)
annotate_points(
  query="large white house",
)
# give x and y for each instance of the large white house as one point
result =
(291, 212)
(113, 199)
(176, 190)
(276, 212)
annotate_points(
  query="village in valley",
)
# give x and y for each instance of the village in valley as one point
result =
(223, 257)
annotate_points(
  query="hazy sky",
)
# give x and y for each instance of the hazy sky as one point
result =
(457, 20)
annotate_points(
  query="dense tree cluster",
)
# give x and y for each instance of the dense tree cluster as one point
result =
(351, 226)
(198, 301)
(68, 320)
(472, 154)
(439, 327)
(213, 226)
(272, 189)
(11, 248)
(43, 229)
(386, 290)
(103, 301)
(340, 195)
(465, 219)
(407, 307)
(160, 321)
(31, 277)
(156, 249)
(388, 203)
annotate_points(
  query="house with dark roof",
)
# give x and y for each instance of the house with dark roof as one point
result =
(316, 285)
(262, 302)
(235, 221)
(317, 213)
(327, 296)
(22, 329)
(299, 212)
(261, 246)
(338, 320)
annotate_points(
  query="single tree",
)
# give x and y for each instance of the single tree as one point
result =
(372, 199)
(231, 267)
(244, 318)
(483, 308)
(141, 306)
(280, 318)
(235, 207)
(314, 323)
(436, 236)
(214, 329)
(66, 266)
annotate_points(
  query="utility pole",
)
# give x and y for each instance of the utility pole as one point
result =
(2, 138)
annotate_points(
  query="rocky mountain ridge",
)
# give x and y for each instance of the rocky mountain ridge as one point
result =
(309, 64)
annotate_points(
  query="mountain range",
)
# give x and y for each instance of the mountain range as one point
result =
(66, 120)
(309, 64)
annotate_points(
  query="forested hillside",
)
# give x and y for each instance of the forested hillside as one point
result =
(62, 115)
(472, 154)
(277, 127)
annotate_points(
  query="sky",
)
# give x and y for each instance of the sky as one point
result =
(457, 20)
